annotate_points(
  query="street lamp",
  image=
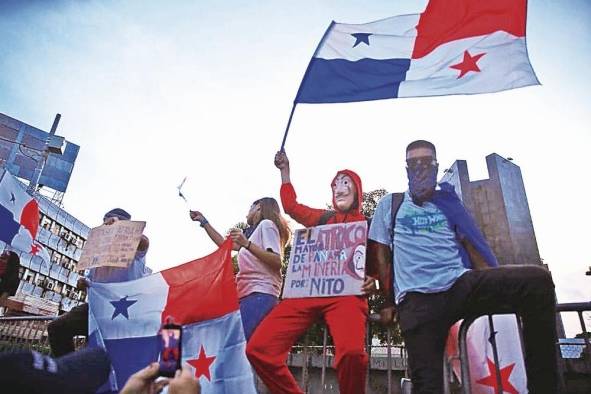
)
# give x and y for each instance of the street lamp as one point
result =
(53, 144)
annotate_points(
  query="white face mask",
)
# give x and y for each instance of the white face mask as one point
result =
(343, 192)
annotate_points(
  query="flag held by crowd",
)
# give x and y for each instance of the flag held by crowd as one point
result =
(453, 47)
(124, 318)
(19, 217)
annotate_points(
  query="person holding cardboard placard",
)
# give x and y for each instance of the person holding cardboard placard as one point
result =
(259, 259)
(75, 322)
(345, 315)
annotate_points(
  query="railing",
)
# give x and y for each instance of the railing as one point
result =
(30, 332)
(306, 351)
(25, 332)
(578, 307)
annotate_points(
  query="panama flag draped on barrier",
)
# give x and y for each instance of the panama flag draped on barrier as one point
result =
(453, 47)
(483, 379)
(19, 217)
(125, 317)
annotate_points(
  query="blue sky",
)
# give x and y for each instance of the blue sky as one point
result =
(153, 93)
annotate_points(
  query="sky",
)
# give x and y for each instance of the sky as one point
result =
(157, 91)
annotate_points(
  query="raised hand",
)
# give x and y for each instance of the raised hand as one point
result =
(238, 237)
(196, 216)
(281, 160)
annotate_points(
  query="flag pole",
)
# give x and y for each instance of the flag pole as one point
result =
(287, 128)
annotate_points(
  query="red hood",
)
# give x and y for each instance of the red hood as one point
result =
(357, 181)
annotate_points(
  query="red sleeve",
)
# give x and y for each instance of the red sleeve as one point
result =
(302, 214)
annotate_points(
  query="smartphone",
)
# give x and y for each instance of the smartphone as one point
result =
(171, 338)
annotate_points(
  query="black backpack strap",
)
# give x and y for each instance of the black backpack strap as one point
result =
(397, 199)
(326, 217)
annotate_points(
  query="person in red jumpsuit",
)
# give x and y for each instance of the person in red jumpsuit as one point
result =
(345, 316)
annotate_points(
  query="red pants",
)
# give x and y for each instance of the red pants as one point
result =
(345, 317)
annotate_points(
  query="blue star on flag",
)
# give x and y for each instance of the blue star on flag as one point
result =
(361, 38)
(121, 307)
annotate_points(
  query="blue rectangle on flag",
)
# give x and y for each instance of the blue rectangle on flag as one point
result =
(342, 81)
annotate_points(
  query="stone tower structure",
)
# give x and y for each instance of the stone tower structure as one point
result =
(499, 205)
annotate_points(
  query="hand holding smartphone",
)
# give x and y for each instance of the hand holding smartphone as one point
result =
(171, 336)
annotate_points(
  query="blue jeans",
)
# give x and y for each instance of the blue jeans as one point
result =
(253, 309)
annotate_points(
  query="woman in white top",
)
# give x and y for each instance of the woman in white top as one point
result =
(259, 259)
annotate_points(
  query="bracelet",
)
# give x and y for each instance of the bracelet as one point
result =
(203, 222)
(248, 246)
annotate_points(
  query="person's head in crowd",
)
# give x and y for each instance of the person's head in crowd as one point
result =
(346, 191)
(10, 262)
(116, 214)
(268, 208)
(421, 169)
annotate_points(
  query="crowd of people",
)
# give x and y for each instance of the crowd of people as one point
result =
(431, 273)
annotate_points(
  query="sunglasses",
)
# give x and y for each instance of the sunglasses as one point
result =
(421, 163)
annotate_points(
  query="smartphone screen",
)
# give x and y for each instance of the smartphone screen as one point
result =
(170, 349)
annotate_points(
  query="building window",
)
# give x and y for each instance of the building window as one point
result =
(46, 222)
(55, 228)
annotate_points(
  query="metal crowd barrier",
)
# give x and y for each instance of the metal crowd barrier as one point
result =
(579, 307)
(30, 332)
(465, 387)
(306, 350)
(25, 332)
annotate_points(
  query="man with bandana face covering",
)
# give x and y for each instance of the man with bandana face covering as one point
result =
(345, 316)
(434, 247)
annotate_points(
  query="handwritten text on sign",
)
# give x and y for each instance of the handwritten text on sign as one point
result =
(327, 261)
(112, 245)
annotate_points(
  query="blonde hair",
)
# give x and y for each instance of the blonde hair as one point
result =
(270, 210)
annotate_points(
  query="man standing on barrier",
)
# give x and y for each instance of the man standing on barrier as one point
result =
(345, 316)
(62, 330)
(442, 273)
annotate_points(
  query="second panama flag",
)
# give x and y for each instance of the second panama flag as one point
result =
(453, 47)
(124, 319)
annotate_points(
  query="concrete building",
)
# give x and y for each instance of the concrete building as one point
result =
(44, 163)
(499, 205)
(63, 236)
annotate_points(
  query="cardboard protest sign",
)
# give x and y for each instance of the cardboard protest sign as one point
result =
(327, 261)
(111, 245)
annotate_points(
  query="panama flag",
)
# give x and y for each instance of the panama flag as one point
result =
(19, 217)
(124, 318)
(483, 378)
(453, 47)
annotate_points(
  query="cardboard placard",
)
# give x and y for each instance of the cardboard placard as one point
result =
(112, 245)
(327, 261)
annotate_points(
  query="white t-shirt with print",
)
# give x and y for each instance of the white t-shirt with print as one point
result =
(254, 275)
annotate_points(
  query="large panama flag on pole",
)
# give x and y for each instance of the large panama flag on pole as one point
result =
(453, 47)
(124, 318)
